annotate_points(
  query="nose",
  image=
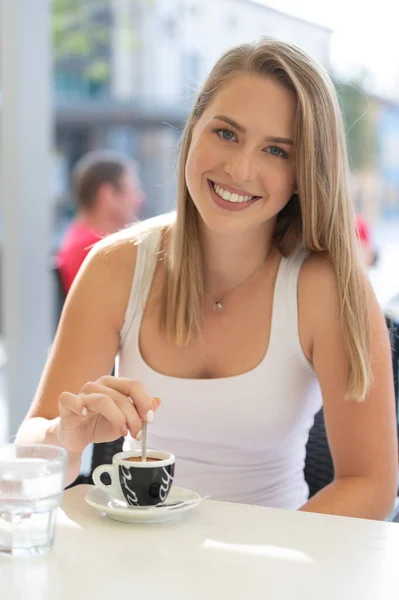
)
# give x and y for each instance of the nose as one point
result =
(240, 166)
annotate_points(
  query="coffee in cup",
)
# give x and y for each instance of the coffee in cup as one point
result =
(138, 459)
(137, 482)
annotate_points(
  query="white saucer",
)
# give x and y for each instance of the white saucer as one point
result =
(120, 511)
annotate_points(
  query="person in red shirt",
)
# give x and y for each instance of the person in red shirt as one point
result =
(108, 198)
(363, 232)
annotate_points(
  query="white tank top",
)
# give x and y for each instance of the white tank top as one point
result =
(240, 438)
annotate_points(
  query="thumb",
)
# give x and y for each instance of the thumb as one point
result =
(156, 402)
(69, 403)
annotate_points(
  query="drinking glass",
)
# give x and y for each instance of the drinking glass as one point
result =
(31, 488)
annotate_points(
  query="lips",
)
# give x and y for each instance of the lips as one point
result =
(232, 190)
(228, 205)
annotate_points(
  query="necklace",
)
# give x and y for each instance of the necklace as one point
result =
(218, 304)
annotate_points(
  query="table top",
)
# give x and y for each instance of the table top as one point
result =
(218, 550)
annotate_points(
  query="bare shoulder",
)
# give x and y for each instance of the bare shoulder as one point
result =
(113, 256)
(116, 252)
(318, 273)
(318, 283)
(106, 275)
(105, 279)
(319, 303)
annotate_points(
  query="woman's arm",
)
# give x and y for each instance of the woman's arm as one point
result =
(86, 342)
(362, 435)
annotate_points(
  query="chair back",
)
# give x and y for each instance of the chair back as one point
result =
(59, 291)
(319, 468)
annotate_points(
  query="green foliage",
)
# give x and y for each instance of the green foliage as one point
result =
(82, 37)
(82, 31)
(98, 71)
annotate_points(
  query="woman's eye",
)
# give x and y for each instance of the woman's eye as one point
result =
(276, 151)
(225, 134)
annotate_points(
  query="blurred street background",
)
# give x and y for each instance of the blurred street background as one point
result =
(122, 75)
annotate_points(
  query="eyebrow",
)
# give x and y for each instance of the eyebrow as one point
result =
(276, 140)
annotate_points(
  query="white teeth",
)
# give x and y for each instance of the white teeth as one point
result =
(230, 197)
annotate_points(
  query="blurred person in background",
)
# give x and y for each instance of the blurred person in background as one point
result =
(245, 312)
(364, 235)
(108, 198)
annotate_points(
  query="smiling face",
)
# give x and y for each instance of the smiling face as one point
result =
(240, 168)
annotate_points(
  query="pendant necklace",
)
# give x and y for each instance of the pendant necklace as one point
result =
(218, 304)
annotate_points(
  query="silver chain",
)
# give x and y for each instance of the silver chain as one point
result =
(217, 305)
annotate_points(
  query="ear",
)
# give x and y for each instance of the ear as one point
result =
(105, 194)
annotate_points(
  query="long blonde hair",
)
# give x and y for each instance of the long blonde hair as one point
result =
(320, 216)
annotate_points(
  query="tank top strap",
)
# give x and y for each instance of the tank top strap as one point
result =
(285, 330)
(146, 261)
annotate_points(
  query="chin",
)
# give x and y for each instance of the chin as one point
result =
(222, 221)
(226, 224)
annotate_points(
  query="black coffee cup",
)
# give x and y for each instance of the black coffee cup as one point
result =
(137, 482)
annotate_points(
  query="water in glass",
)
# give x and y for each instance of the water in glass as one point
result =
(31, 488)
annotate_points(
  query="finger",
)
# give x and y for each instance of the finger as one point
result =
(133, 419)
(119, 383)
(103, 405)
(156, 402)
(134, 390)
(69, 403)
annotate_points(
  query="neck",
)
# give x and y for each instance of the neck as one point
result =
(229, 260)
(98, 223)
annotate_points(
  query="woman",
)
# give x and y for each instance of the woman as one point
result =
(244, 313)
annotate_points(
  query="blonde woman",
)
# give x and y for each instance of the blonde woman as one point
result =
(244, 313)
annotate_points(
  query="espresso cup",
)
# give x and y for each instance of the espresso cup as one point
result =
(137, 482)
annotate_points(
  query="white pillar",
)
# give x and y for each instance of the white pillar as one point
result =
(25, 189)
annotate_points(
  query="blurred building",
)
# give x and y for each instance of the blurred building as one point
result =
(376, 185)
(158, 52)
(388, 157)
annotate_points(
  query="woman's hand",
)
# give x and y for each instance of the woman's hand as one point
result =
(103, 411)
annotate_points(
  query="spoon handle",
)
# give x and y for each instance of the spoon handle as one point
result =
(144, 442)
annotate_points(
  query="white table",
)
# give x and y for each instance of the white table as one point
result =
(217, 551)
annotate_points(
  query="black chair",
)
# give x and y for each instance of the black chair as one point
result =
(60, 293)
(393, 328)
(319, 468)
(102, 454)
